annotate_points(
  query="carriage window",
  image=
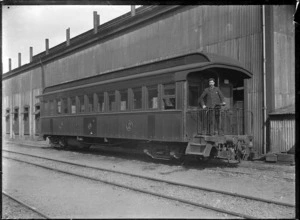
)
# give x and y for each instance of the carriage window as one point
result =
(123, 100)
(51, 105)
(169, 101)
(65, 105)
(100, 102)
(90, 102)
(73, 105)
(111, 101)
(152, 97)
(58, 109)
(46, 108)
(81, 103)
(137, 98)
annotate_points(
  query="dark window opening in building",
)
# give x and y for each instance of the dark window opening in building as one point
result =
(26, 120)
(137, 98)
(16, 121)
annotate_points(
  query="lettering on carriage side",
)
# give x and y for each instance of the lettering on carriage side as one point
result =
(129, 125)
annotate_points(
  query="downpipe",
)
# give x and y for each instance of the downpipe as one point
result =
(264, 80)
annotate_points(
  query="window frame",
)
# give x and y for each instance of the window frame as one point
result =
(120, 92)
(164, 96)
(113, 108)
(57, 105)
(132, 98)
(151, 87)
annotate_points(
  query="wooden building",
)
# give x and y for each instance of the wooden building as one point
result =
(261, 38)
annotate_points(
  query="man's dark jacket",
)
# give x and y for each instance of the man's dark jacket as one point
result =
(214, 96)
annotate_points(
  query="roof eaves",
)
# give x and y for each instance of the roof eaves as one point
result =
(88, 37)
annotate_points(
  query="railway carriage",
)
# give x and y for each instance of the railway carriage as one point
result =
(153, 107)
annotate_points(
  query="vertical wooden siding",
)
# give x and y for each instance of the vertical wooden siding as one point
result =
(282, 134)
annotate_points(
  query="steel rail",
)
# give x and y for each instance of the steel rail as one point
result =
(163, 181)
(24, 204)
(141, 191)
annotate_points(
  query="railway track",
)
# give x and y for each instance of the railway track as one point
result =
(232, 204)
(23, 204)
(191, 164)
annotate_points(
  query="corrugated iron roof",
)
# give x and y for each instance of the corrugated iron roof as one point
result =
(287, 110)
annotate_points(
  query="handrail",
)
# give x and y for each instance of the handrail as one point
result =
(223, 121)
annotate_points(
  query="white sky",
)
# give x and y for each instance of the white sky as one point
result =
(29, 26)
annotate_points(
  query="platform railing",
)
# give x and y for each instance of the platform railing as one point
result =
(224, 121)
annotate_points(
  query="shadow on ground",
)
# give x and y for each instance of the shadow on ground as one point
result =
(186, 163)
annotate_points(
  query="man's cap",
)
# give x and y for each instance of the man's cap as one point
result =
(211, 79)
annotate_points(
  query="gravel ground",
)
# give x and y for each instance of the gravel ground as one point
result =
(244, 206)
(63, 196)
(14, 210)
(269, 181)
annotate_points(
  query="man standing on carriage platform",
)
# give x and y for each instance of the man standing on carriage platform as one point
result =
(214, 98)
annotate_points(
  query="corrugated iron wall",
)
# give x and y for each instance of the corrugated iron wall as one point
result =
(282, 133)
(236, 31)
(233, 31)
(284, 55)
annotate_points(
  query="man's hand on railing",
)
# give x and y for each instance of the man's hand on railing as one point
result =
(204, 106)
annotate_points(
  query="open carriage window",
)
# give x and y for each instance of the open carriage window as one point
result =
(90, 99)
(123, 100)
(58, 105)
(73, 105)
(152, 97)
(137, 98)
(65, 105)
(81, 103)
(111, 101)
(169, 100)
(100, 102)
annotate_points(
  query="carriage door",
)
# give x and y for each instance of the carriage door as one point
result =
(37, 119)
(16, 121)
(7, 121)
(26, 120)
(226, 88)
